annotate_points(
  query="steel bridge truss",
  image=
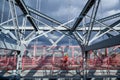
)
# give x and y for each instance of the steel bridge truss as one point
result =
(16, 38)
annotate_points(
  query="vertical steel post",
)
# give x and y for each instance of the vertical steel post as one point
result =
(84, 55)
(44, 52)
(106, 52)
(72, 54)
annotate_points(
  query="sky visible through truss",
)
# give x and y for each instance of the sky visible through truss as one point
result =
(63, 11)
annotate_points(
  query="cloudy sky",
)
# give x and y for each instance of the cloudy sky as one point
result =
(65, 10)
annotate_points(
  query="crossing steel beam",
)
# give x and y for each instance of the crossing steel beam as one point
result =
(113, 41)
(111, 26)
(8, 40)
(104, 19)
(25, 10)
(46, 28)
(14, 15)
(8, 43)
(85, 10)
(45, 17)
(105, 30)
(8, 46)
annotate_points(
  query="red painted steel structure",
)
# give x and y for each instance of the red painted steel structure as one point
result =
(54, 62)
(8, 63)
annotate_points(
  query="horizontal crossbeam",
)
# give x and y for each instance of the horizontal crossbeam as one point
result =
(46, 28)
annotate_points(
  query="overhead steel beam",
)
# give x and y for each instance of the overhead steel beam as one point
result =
(109, 35)
(25, 10)
(46, 28)
(35, 37)
(14, 15)
(94, 13)
(85, 10)
(5, 22)
(9, 46)
(104, 31)
(78, 38)
(7, 32)
(8, 40)
(111, 26)
(46, 17)
(113, 41)
(106, 26)
(104, 19)
(8, 43)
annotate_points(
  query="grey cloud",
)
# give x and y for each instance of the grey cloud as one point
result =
(64, 9)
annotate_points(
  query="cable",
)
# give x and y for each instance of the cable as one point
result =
(69, 11)
(3, 6)
(39, 9)
(8, 16)
(37, 4)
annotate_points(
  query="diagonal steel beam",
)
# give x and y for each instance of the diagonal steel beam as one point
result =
(94, 13)
(14, 15)
(85, 10)
(8, 32)
(105, 19)
(46, 17)
(113, 41)
(104, 31)
(25, 10)
(8, 40)
(37, 36)
(9, 46)
(56, 42)
(103, 24)
(8, 43)
(78, 37)
(57, 27)
(9, 20)
(111, 26)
